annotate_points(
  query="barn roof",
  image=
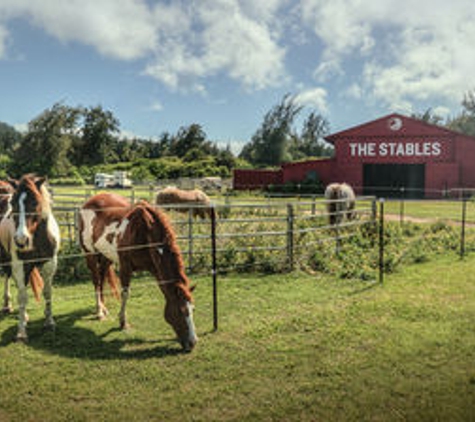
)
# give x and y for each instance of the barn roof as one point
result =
(393, 125)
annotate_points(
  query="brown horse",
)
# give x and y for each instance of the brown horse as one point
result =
(30, 239)
(184, 200)
(340, 202)
(137, 238)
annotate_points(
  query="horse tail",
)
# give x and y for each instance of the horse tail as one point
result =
(113, 281)
(37, 283)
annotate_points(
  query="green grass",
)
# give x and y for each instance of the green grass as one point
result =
(290, 347)
(438, 210)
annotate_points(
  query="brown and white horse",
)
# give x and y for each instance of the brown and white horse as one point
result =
(340, 202)
(30, 240)
(137, 238)
(6, 191)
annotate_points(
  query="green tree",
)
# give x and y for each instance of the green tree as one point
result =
(45, 147)
(189, 138)
(311, 143)
(268, 145)
(10, 139)
(429, 117)
(98, 137)
(465, 122)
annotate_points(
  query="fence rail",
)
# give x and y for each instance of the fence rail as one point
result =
(279, 235)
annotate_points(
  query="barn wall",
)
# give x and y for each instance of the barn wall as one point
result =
(465, 155)
(298, 172)
(256, 179)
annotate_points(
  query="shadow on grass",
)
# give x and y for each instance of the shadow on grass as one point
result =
(69, 339)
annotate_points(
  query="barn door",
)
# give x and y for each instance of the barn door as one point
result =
(394, 180)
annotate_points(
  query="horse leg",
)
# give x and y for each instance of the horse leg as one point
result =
(48, 271)
(19, 276)
(7, 297)
(125, 279)
(94, 266)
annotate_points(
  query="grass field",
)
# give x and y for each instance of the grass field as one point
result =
(290, 347)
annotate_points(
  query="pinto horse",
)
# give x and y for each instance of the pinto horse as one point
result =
(137, 238)
(6, 191)
(29, 244)
(340, 202)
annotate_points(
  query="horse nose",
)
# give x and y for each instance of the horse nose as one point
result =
(189, 344)
(21, 240)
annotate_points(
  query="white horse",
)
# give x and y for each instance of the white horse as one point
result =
(29, 240)
(340, 202)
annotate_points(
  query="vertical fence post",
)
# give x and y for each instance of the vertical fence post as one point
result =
(401, 206)
(462, 236)
(381, 240)
(214, 268)
(290, 236)
(190, 240)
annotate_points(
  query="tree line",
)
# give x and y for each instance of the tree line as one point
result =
(71, 144)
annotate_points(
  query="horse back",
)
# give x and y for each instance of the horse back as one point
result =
(97, 214)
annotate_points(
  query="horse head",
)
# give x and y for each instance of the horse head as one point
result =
(179, 314)
(170, 273)
(30, 206)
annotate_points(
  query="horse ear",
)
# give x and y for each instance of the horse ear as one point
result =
(13, 182)
(39, 182)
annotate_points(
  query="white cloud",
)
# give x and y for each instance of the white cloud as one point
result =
(316, 97)
(182, 43)
(225, 40)
(156, 106)
(409, 51)
(393, 52)
(122, 29)
(4, 37)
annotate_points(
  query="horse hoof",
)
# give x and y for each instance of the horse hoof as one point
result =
(50, 327)
(22, 338)
(124, 326)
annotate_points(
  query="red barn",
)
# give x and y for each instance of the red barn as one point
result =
(389, 156)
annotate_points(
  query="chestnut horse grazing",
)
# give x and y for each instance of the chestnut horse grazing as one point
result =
(340, 202)
(137, 238)
(30, 239)
(183, 200)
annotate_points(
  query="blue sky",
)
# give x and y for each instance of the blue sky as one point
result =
(160, 65)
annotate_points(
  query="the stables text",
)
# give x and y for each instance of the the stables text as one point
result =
(395, 149)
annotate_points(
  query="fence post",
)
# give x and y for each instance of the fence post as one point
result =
(290, 236)
(462, 236)
(214, 268)
(381, 240)
(190, 240)
(401, 206)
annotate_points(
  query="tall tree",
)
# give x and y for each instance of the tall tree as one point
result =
(269, 143)
(99, 136)
(465, 122)
(189, 138)
(46, 145)
(10, 139)
(315, 127)
(429, 117)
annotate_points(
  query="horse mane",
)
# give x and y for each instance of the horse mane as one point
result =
(36, 184)
(160, 231)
